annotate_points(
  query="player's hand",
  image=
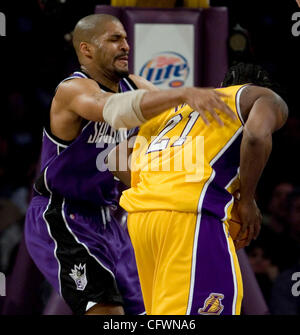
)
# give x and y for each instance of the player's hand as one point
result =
(209, 100)
(251, 218)
(298, 2)
(240, 244)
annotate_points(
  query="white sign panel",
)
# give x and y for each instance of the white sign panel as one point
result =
(164, 54)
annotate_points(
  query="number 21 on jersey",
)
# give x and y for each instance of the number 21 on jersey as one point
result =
(160, 143)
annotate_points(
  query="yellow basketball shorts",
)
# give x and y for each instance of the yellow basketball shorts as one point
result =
(186, 262)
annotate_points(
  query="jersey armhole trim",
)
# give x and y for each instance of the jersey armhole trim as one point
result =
(56, 140)
(237, 103)
(131, 84)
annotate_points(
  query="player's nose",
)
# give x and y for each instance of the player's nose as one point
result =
(125, 45)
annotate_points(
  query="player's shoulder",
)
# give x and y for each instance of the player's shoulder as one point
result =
(246, 93)
(69, 88)
(232, 90)
(251, 93)
(248, 89)
(142, 83)
(76, 84)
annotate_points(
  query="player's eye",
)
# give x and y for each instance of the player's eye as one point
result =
(115, 38)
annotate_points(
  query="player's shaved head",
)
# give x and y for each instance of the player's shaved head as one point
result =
(100, 42)
(89, 27)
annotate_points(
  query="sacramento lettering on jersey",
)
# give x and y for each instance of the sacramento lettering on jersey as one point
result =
(103, 132)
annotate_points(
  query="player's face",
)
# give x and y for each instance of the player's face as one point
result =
(111, 53)
(278, 202)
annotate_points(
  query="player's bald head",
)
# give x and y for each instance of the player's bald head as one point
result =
(89, 27)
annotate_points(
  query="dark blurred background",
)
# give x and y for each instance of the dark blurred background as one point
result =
(37, 54)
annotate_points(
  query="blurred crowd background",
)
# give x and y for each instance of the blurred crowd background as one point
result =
(37, 54)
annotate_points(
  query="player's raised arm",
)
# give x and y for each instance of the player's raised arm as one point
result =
(202, 100)
(264, 112)
(127, 110)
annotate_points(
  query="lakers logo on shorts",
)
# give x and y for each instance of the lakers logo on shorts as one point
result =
(212, 305)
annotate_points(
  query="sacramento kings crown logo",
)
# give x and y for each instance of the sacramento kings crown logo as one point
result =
(78, 274)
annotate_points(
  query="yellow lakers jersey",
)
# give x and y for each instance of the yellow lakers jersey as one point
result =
(179, 163)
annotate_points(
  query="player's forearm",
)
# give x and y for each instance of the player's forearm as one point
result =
(268, 113)
(255, 152)
(155, 102)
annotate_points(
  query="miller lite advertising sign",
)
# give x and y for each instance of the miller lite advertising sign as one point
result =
(164, 54)
(166, 68)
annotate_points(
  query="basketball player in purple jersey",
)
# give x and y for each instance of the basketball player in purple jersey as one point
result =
(71, 234)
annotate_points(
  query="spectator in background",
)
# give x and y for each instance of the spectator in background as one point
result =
(275, 226)
(285, 298)
(263, 267)
(274, 260)
(291, 248)
(286, 247)
(276, 220)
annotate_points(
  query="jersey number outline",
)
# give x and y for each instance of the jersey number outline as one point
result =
(160, 143)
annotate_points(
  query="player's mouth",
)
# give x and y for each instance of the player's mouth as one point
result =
(122, 59)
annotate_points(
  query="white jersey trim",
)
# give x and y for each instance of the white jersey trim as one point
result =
(54, 141)
(49, 231)
(237, 103)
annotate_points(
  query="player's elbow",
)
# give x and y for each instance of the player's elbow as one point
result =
(284, 112)
(257, 138)
(279, 108)
(257, 133)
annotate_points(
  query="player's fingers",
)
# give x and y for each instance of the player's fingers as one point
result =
(250, 234)
(225, 108)
(215, 115)
(202, 114)
(243, 230)
(222, 94)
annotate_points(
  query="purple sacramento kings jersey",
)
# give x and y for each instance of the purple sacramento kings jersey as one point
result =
(71, 229)
(77, 171)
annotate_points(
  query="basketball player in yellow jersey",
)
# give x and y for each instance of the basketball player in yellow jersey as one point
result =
(183, 175)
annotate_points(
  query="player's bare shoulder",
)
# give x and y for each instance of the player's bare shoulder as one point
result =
(143, 83)
(70, 89)
(252, 93)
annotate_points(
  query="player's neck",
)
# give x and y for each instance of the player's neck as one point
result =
(102, 78)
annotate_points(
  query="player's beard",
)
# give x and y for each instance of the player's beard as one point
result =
(121, 73)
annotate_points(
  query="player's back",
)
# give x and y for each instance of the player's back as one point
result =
(181, 164)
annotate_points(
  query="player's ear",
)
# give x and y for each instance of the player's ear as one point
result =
(86, 49)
